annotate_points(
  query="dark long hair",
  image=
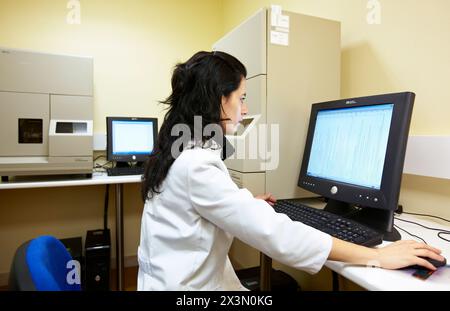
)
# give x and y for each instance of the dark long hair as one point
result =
(197, 89)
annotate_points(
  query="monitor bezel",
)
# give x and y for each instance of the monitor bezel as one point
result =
(386, 197)
(129, 157)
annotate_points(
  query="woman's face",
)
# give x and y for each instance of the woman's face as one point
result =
(233, 108)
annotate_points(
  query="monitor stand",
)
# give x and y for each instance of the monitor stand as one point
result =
(378, 219)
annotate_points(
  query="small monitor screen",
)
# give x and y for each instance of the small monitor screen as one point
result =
(132, 137)
(349, 144)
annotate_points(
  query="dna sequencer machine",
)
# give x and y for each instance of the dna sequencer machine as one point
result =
(46, 114)
(293, 61)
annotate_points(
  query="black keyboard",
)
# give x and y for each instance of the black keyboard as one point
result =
(336, 226)
(121, 171)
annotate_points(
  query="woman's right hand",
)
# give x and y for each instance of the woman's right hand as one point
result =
(404, 253)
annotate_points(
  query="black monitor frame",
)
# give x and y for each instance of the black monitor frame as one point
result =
(372, 207)
(122, 160)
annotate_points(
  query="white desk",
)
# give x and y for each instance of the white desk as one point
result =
(97, 179)
(378, 279)
(403, 280)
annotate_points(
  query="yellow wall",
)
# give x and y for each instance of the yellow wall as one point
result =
(408, 50)
(135, 44)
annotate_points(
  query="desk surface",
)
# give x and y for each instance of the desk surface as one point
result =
(65, 181)
(392, 280)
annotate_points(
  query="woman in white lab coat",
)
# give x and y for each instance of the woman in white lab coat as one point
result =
(193, 209)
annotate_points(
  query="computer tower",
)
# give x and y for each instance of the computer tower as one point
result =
(98, 258)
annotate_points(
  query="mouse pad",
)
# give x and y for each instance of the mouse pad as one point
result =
(441, 275)
(423, 274)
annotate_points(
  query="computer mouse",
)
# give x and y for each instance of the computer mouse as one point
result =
(434, 262)
(437, 263)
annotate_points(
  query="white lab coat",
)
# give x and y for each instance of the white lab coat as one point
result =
(187, 230)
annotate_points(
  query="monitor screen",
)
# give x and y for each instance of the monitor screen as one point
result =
(349, 144)
(130, 139)
(354, 154)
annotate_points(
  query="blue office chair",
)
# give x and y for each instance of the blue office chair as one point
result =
(41, 264)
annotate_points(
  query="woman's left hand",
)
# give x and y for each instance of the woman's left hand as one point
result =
(268, 197)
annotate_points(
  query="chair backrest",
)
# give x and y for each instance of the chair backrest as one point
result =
(43, 264)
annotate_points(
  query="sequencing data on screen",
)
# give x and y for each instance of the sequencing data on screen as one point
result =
(349, 144)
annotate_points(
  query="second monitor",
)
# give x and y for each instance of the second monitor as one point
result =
(130, 140)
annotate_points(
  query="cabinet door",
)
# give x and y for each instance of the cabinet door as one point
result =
(247, 42)
(24, 120)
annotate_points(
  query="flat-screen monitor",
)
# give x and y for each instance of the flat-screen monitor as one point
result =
(130, 139)
(354, 156)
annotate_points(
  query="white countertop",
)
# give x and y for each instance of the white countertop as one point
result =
(66, 181)
(402, 280)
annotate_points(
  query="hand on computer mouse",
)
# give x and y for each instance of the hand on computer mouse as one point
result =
(434, 262)
(407, 253)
